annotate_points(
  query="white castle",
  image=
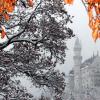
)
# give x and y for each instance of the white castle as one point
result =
(84, 78)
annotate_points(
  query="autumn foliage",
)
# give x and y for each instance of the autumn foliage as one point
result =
(6, 7)
(68, 1)
(93, 9)
(94, 17)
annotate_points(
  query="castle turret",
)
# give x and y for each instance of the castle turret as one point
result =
(77, 74)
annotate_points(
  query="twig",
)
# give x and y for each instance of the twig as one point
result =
(84, 5)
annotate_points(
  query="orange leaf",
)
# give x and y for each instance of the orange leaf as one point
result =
(68, 1)
(6, 16)
(99, 35)
(95, 35)
(93, 1)
(7, 6)
(3, 33)
(30, 3)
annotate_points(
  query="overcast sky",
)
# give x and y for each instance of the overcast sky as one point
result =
(82, 30)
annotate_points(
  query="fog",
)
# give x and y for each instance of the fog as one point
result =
(83, 32)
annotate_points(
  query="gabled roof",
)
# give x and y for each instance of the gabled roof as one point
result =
(96, 62)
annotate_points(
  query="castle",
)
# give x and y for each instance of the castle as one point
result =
(84, 78)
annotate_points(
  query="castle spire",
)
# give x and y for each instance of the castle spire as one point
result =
(77, 44)
(77, 74)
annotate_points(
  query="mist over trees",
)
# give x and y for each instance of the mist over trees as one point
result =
(39, 36)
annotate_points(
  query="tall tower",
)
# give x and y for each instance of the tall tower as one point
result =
(77, 73)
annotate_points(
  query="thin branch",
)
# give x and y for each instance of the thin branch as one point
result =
(84, 5)
(26, 22)
(11, 39)
(13, 26)
(24, 40)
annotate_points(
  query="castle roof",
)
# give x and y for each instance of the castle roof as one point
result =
(91, 61)
(96, 61)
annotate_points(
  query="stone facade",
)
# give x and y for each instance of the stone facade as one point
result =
(84, 78)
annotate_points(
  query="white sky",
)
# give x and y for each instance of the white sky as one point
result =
(82, 30)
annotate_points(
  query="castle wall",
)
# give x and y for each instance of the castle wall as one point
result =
(85, 81)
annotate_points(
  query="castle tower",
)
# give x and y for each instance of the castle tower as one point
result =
(77, 74)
